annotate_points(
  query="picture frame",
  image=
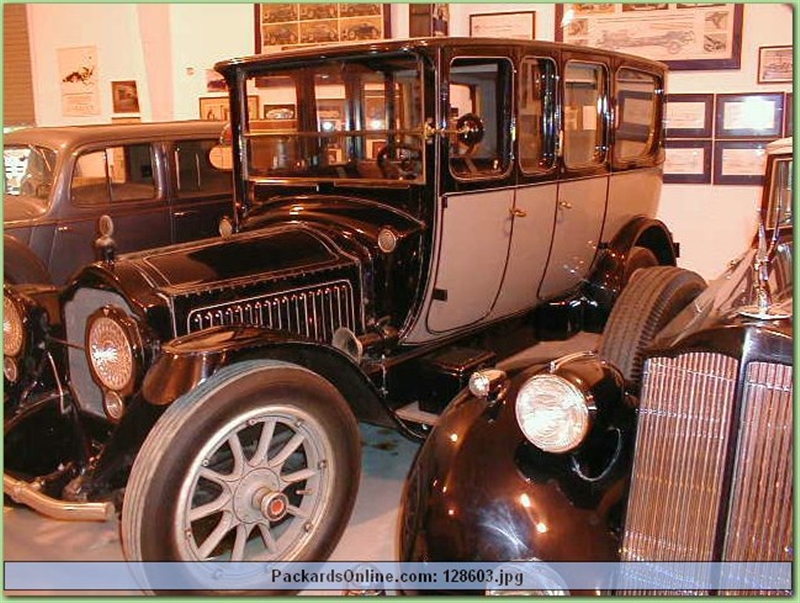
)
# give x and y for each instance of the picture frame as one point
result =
(788, 114)
(279, 112)
(775, 64)
(688, 161)
(752, 115)
(684, 36)
(689, 115)
(125, 98)
(217, 108)
(515, 25)
(281, 25)
(740, 162)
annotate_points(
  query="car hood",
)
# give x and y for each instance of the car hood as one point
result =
(21, 208)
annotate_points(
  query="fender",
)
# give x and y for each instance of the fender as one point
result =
(606, 280)
(187, 361)
(21, 265)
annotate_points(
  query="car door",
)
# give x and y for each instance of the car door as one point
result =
(125, 182)
(201, 193)
(583, 189)
(473, 230)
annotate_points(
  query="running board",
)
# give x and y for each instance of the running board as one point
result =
(412, 414)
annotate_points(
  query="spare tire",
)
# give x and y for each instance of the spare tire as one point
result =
(652, 298)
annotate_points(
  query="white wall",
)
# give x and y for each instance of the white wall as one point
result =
(167, 49)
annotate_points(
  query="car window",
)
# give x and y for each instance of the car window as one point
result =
(779, 208)
(196, 175)
(636, 114)
(535, 131)
(480, 111)
(29, 171)
(584, 107)
(114, 175)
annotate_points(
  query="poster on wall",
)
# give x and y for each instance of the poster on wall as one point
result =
(77, 68)
(283, 24)
(684, 36)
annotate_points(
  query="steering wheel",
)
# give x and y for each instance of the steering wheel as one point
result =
(470, 131)
(398, 161)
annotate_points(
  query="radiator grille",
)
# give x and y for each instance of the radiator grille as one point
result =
(314, 312)
(760, 520)
(676, 502)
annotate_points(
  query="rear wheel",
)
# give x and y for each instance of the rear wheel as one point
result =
(260, 463)
(653, 297)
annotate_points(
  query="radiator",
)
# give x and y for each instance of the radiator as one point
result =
(680, 499)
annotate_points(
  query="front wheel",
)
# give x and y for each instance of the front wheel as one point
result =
(259, 463)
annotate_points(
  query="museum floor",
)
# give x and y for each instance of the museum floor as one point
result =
(370, 535)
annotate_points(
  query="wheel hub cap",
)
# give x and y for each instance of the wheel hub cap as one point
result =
(258, 496)
(274, 506)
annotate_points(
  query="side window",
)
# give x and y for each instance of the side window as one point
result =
(585, 103)
(114, 175)
(196, 175)
(636, 130)
(536, 115)
(479, 117)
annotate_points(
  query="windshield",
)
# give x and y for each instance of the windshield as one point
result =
(779, 203)
(342, 119)
(29, 171)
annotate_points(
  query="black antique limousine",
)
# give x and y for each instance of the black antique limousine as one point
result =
(672, 443)
(405, 214)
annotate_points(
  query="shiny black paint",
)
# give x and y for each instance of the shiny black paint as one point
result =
(480, 491)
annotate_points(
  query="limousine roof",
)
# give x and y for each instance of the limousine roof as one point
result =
(73, 136)
(321, 51)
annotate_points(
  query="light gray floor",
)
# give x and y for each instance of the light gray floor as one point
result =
(371, 534)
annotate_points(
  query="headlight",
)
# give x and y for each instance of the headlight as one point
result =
(553, 413)
(110, 348)
(13, 327)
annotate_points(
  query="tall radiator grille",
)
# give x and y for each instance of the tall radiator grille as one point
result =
(760, 521)
(682, 435)
(314, 312)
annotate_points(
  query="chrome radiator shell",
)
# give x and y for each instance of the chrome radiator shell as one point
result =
(713, 469)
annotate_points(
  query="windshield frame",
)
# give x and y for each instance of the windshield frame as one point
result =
(406, 142)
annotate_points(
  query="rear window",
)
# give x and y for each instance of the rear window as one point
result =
(196, 175)
(637, 128)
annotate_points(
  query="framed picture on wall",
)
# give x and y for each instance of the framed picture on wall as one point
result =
(217, 108)
(687, 162)
(684, 36)
(690, 115)
(740, 162)
(775, 64)
(517, 25)
(125, 97)
(757, 115)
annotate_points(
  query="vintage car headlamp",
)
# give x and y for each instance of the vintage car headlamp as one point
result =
(111, 347)
(13, 326)
(553, 413)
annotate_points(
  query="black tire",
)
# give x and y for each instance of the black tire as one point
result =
(638, 257)
(260, 451)
(653, 297)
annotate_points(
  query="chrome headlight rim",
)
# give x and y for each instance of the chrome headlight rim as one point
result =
(14, 309)
(111, 317)
(576, 417)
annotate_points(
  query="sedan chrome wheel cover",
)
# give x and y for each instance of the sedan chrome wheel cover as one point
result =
(258, 489)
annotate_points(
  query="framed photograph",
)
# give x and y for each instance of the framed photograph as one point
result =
(684, 36)
(775, 64)
(740, 162)
(788, 114)
(520, 26)
(214, 108)
(687, 162)
(757, 115)
(279, 25)
(690, 115)
(279, 112)
(125, 97)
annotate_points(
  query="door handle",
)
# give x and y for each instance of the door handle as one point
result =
(64, 229)
(182, 214)
(565, 204)
(517, 213)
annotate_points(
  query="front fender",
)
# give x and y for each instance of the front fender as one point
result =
(21, 265)
(187, 361)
